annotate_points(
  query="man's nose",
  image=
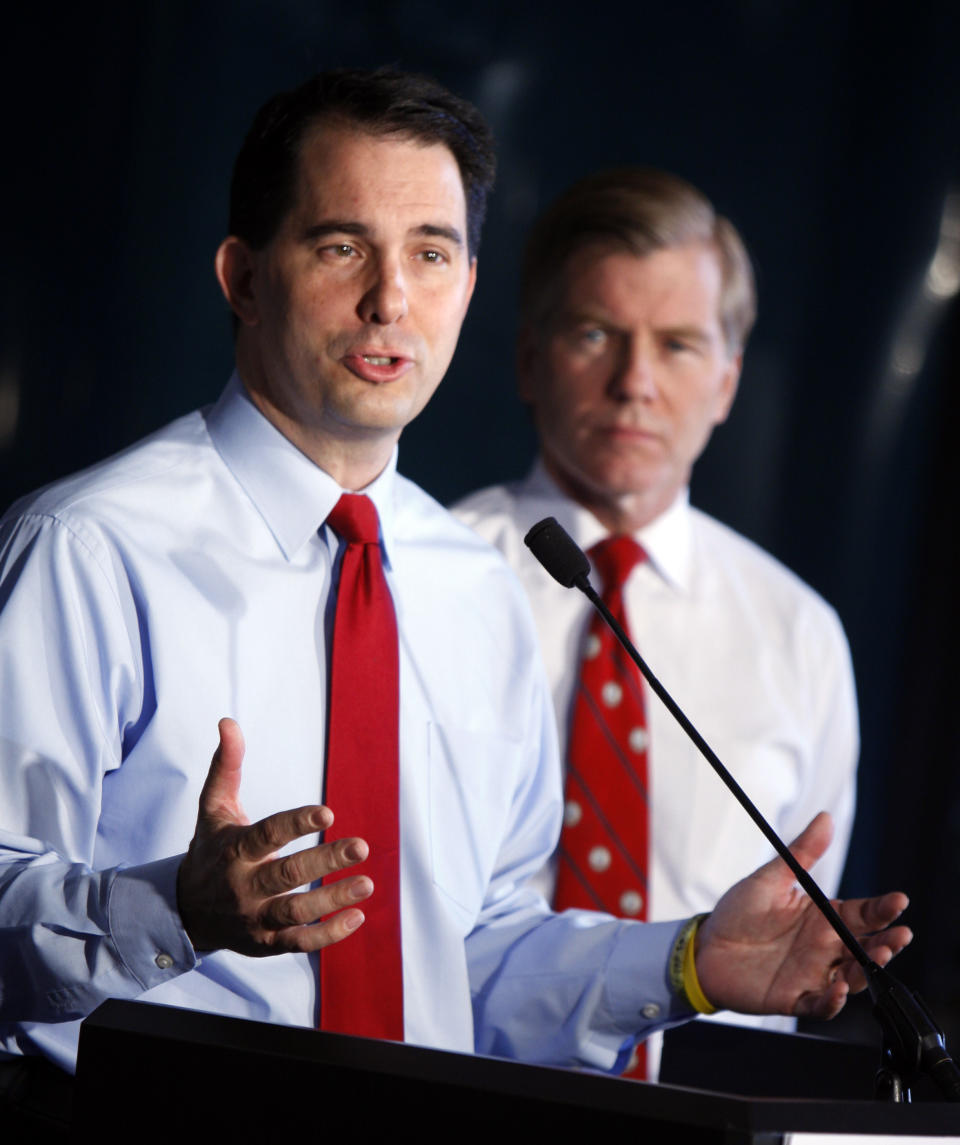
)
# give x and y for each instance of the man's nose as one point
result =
(385, 300)
(635, 376)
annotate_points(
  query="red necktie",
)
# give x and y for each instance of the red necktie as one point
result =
(603, 860)
(361, 978)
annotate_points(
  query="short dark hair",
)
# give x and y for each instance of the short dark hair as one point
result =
(638, 210)
(382, 102)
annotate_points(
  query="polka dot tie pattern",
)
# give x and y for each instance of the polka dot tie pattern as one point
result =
(361, 978)
(603, 860)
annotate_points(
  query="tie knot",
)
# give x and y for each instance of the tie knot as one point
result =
(354, 517)
(615, 558)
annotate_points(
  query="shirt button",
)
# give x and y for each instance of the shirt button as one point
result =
(599, 858)
(611, 693)
(572, 813)
(591, 646)
(638, 739)
(164, 961)
(650, 1011)
(631, 902)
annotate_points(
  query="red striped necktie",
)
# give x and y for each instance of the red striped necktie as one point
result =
(603, 861)
(361, 978)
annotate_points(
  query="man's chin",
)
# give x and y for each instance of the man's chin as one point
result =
(622, 496)
(615, 479)
(378, 414)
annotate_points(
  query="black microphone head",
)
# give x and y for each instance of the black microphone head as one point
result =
(559, 554)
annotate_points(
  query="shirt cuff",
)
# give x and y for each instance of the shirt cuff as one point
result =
(640, 1003)
(145, 925)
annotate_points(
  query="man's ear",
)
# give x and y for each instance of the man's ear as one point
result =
(234, 265)
(528, 348)
(728, 388)
(471, 284)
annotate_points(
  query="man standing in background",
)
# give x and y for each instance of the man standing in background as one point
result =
(637, 301)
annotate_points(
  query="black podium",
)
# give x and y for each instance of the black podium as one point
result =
(178, 1071)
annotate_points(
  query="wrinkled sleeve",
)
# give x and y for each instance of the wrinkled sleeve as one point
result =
(831, 779)
(71, 685)
(577, 988)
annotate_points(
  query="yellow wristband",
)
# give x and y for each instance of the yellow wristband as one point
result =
(683, 968)
(691, 983)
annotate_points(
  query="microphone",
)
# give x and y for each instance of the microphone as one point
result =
(912, 1039)
(559, 553)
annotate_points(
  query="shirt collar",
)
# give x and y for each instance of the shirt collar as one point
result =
(667, 540)
(291, 493)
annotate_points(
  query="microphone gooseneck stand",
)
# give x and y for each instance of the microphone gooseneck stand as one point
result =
(913, 1043)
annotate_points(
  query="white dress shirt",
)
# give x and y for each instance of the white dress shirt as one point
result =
(757, 660)
(192, 577)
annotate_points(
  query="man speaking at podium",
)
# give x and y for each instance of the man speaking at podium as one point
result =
(263, 558)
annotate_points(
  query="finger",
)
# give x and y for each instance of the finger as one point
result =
(896, 938)
(309, 865)
(881, 948)
(308, 907)
(307, 939)
(220, 796)
(865, 915)
(275, 831)
(826, 1004)
(813, 840)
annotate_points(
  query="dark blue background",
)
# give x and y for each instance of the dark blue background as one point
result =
(826, 131)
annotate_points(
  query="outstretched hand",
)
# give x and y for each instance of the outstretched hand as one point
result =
(234, 893)
(766, 949)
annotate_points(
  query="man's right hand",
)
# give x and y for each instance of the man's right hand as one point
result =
(234, 893)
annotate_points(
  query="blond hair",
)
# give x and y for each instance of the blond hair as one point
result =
(638, 210)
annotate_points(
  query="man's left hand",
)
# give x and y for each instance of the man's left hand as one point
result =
(766, 949)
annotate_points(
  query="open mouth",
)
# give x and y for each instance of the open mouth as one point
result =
(378, 367)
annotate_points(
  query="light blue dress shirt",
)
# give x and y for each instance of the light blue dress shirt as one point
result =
(189, 578)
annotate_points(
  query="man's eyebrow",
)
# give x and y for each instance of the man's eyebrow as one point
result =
(434, 231)
(334, 227)
(690, 333)
(577, 316)
(361, 230)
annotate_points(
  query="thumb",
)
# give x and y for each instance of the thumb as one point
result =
(813, 840)
(220, 797)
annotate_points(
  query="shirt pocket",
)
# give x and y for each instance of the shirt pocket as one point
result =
(471, 780)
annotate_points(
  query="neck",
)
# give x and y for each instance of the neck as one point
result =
(352, 460)
(618, 512)
(352, 455)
